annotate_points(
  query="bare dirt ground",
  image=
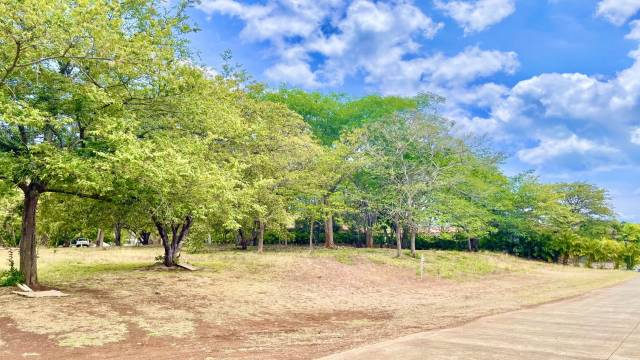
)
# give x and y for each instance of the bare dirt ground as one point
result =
(280, 305)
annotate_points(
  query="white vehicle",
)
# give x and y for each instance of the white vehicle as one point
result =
(80, 242)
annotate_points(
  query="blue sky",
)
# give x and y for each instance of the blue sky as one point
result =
(553, 84)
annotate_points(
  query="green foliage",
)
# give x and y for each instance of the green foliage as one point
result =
(330, 116)
(12, 276)
(409, 158)
(10, 211)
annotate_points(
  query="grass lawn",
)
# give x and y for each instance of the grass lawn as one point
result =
(285, 303)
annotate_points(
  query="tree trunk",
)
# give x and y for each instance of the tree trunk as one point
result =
(179, 232)
(144, 237)
(475, 244)
(254, 232)
(260, 236)
(311, 234)
(117, 234)
(243, 240)
(28, 255)
(99, 238)
(169, 254)
(328, 232)
(398, 240)
(469, 248)
(412, 239)
(369, 237)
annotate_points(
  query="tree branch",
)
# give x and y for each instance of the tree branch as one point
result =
(78, 194)
(65, 57)
(14, 63)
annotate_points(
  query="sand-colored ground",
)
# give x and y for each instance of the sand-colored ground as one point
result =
(284, 304)
(604, 324)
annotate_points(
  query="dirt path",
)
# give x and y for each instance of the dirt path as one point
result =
(602, 325)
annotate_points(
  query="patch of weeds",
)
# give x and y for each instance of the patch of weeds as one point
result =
(462, 266)
(78, 270)
(390, 258)
(13, 276)
(343, 256)
(235, 261)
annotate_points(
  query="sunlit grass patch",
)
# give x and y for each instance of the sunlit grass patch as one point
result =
(236, 261)
(341, 255)
(453, 265)
(75, 271)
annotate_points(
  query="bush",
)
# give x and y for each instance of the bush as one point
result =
(612, 251)
(630, 255)
(11, 277)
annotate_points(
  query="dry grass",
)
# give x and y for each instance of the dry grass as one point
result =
(286, 303)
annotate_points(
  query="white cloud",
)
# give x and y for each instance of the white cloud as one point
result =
(371, 38)
(560, 95)
(470, 64)
(550, 148)
(576, 98)
(439, 73)
(475, 16)
(634, 34)
(617, 11)
(635, 136)
(377, 39)
(294, 72)
(274, 21)
(350, 37)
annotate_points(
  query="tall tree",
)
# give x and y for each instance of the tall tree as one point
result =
(181, 168)
(415, 156)
(75, 76)
(278, 154)
(330, 117)
(477, 194)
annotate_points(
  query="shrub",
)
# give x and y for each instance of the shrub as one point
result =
(12, 276)
(631, 255)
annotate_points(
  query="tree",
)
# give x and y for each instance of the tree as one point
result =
(278, 154)
(330, 117)
(362, 194)
(182, 167)
(585, 199)
(475, 196)
(567, 245)
(76, 76)
(629, 234)
(414, 155)
(532, 214)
